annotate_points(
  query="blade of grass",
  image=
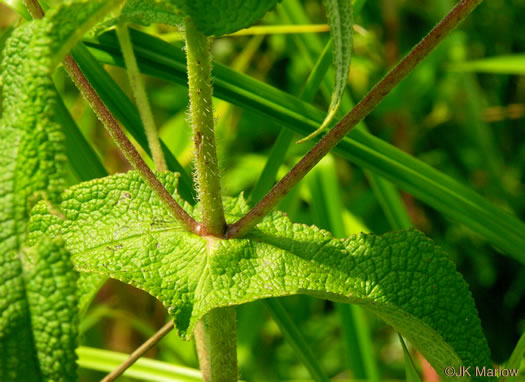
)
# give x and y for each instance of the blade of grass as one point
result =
(326, 207)
(139, 92)
(390, 201)
(427, 184)
(411, 372)
(144, 369)
(296, 339)
(285, 138)
(260, 30)
(80, 154)
(516, 357)
(511, 64)
(282, 29)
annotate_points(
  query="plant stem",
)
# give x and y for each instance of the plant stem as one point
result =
(34, 8)
(216, 341)
(118, 135)
(359, 112)
(139, 352)
(215, 334)
(139, 92)
(201, 109)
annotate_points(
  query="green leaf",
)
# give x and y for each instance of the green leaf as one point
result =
(147, 12)
(32, 164)
(340, 19)
(217, 17)
(116, 226)
(50, 283)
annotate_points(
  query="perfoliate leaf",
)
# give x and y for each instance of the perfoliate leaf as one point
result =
(117, 227)
(147, 12)
(32, 168)
(339, 14)
(217, 17)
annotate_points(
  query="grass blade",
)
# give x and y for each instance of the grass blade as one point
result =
(511, 64)
(80, 154)
(516, 357)
(296, 339)
(326, 210)
(279, 149)
(411, 372)
(144, 369)
(340, 18)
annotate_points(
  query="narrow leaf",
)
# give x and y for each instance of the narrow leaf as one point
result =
(511, 64)
(402, 277)
(410, 369)
(296, 339)
(517, 356)
(340, 19)
(144, 369)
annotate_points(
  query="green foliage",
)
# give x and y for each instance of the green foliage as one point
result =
(51, 290)
(439, 190)
(216, 17)
(37, 301)
(146, 12)
(339, 13)
(117, 227)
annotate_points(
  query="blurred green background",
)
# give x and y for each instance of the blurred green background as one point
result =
(459, 112)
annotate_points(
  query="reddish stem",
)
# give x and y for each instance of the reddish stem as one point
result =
(359, 112)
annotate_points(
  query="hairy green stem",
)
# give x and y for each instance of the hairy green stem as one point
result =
(139, 92)
(118, 135)
(359, 112)
(202, 120)
(215, 335)
(216, 341)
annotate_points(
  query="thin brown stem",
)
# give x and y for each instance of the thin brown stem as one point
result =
(139, 352)
(359, 112)
(114, 130)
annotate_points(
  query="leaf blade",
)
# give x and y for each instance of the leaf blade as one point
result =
(402, 277)
(340, 19)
